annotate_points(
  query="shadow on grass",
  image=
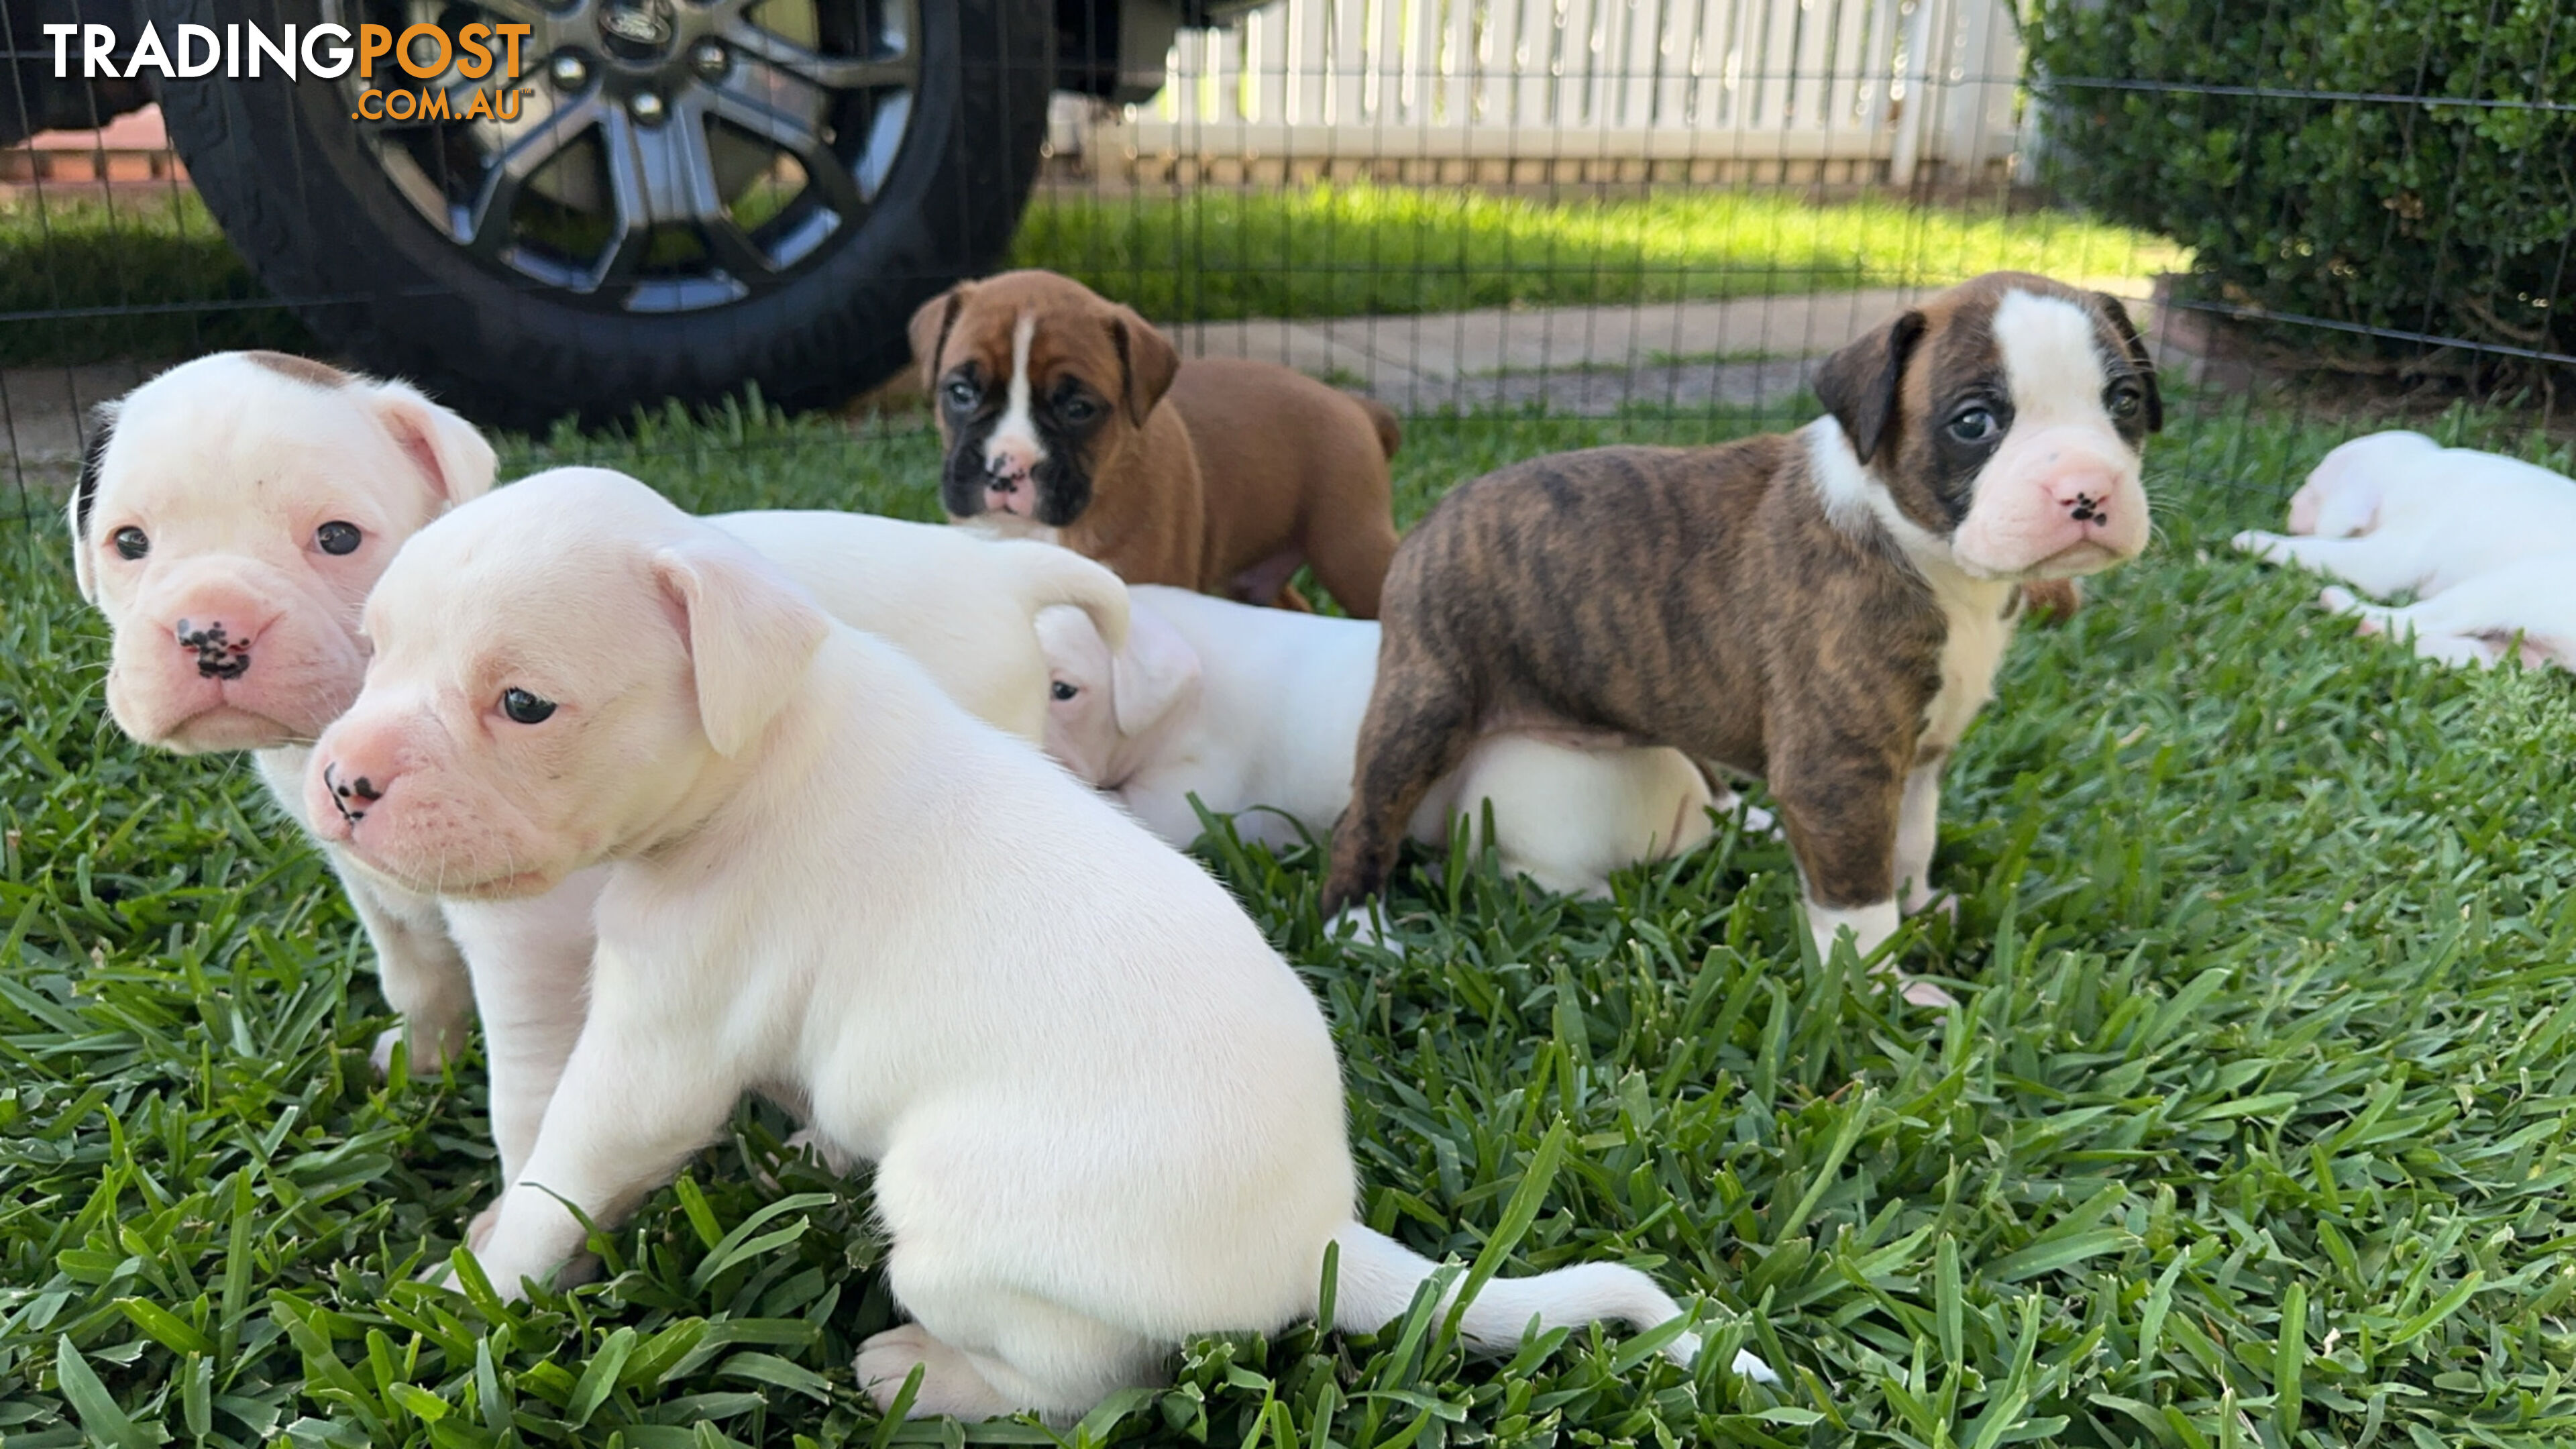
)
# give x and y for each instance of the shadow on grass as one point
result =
(84, 280)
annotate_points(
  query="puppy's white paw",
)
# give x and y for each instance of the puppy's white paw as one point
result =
(478, 1235)
(949, 1383)
(426, 1058)
(1362, 925)
(479, 1231)
(1757, 821)
(1919, 992)
(2257, 543)
(2470, 651)
(382, 1056)
(806, 1139)
(2338, 599)
(1754, 1368)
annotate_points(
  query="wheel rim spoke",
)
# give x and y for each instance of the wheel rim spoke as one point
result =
(780, 109)
(521, 159)
(775, 107)
(629, 197)
(704, 202)
(831, 72)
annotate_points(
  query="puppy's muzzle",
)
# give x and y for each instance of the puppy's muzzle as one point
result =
(350, 797)
(1009, 486)
(219, 655)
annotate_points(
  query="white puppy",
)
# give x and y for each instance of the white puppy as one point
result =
(2397, 512)
(232, 517)
(2486, 543)
(1104, 1113)
(1256, 712)
(2480, 620)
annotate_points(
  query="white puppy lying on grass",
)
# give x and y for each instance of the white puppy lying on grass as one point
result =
(1104, 1113)
(2486, 543)
(2527, 607)
(233, 515)
(1256, 712)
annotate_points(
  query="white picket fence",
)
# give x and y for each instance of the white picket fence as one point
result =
(1476, 90)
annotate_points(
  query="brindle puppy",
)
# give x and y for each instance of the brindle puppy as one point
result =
(1823, 609)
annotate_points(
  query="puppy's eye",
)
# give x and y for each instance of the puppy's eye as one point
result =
(2125, 402)
(130, 543)
(1976, 425)
(338, 536)
(963, 395)
(1062, 690)
(1077, 410)
(524, 707)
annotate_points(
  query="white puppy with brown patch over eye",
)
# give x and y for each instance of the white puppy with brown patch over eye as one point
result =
(1104, 1113)
(2397, 512)
(1255, 712)
(232, 517)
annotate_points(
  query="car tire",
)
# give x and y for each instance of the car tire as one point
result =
(323, 222)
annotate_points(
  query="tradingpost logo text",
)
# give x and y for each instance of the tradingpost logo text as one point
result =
(422, 52)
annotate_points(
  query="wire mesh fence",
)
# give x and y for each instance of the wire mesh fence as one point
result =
(1653, 214)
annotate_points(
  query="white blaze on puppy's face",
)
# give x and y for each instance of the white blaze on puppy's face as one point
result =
(2061, 495)
(546, 692)
(241, 511)
(1013, 451)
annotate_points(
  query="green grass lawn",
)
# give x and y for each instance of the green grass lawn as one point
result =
(1364, 250)
(150, 276)
(2254, 1128)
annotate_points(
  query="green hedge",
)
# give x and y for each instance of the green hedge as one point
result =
(2357, 205)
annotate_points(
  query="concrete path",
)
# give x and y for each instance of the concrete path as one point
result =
(44, 418)
(1583, 359)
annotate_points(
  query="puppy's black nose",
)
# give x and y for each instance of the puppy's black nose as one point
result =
(2086, 510)
(345, 791)
(219, 655)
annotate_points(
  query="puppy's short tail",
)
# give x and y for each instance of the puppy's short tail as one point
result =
(1061, 576)
(1390, 432)
(1379, 1276)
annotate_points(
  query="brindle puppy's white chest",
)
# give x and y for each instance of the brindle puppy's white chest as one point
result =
(1979, 632)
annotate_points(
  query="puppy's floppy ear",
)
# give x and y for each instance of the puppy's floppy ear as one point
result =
(1860, 384)
(2118, 316)
(1152, 674)
(1148, 357)
(751, 635)
(453, 459)
(84, 499)
(929, 330)
(1069, 639)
